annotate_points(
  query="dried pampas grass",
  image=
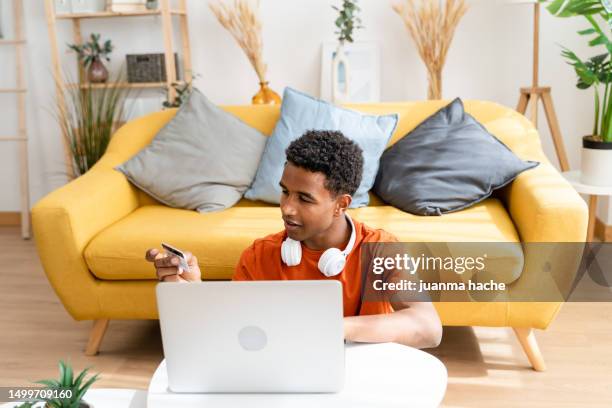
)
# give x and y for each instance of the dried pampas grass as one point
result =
(242, 21)
(432, 27)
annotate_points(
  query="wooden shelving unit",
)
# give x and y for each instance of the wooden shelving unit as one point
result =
(166, 14)
(135, 85)
(104, 14)
(20, 93)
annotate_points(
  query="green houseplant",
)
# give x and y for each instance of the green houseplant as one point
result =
(91, 54)
(88, 118)
(596, 73)
(347, 22)
(77, 387)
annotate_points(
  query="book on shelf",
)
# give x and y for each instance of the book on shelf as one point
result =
(122, 6)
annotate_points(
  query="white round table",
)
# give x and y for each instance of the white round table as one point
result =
(377, 375)
(593, 191)
(107, 398)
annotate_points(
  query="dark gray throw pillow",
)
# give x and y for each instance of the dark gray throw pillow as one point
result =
(447, 163)
(204, 159)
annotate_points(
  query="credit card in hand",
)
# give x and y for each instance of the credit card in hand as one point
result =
(178, 253)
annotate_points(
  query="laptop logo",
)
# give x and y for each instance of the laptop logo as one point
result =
(252, 338)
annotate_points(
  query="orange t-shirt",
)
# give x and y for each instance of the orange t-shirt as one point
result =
(262, 261)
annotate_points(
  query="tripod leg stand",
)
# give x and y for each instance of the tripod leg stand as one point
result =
(533, 95)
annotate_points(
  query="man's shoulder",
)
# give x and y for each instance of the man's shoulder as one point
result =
(371, 234)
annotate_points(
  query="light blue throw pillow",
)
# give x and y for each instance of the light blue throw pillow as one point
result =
(300, 113)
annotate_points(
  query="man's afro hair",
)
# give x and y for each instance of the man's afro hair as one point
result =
(331, 153)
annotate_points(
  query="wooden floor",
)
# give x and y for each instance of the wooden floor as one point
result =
(486, 365)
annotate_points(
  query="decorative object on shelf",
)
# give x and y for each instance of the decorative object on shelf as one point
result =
(152, 4)
(432, 24)
(243, 22)
(364, 60)
(126, 5)
(182, 91)
(63, 6)
(88, 118)
(67, 383)
(346, 22)
(148, 67)
(91, 54)
(87, 6)
(595, 72)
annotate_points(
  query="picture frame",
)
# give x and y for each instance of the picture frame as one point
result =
(364, 66)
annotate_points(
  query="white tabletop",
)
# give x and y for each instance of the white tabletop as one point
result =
(377, 375)
(574, 178)
(107, 398)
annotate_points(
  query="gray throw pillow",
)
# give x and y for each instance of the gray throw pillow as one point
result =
(447, 163)
(203, 159)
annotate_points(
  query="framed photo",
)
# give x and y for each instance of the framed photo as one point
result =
(364, 67)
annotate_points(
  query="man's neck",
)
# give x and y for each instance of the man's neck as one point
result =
(336, 236)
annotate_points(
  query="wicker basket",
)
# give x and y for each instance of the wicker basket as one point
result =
(148, 67)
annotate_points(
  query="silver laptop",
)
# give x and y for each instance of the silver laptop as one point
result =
(258, 336)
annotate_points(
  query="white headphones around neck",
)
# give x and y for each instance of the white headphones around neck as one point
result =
(332, 261)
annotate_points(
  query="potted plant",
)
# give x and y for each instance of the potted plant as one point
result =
(65, 385)
(346, 22)
(88, 118)
(91, 54)
(152, 4)
(596, 73)
(182, 90)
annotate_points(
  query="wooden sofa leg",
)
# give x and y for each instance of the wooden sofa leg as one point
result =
(526, 336)
(95, 336)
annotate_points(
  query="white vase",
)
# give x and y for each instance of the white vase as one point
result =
(596, 163)
(341, 76)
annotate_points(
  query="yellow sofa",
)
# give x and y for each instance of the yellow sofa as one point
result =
(92, 233)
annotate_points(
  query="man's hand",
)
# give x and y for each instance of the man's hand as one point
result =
(167, 267)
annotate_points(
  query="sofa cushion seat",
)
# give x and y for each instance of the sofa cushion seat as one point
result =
(218, 238)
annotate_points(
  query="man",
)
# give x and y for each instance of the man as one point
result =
(322, 172)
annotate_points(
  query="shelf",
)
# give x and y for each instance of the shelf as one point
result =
(135, 85)
(12, 90)
(11, 42)
(108, 14)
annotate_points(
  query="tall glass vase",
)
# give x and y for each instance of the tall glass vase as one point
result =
(341, 75)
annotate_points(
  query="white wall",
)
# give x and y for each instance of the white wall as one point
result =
(490, 59)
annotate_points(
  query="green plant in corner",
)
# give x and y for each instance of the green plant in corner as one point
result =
(88, 118)
(595, 72)
(347, 20)
(66, 384)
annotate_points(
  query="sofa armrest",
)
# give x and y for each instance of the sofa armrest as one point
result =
(545, 209)
(66, 220)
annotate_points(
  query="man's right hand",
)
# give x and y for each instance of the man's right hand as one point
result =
(167, 266)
